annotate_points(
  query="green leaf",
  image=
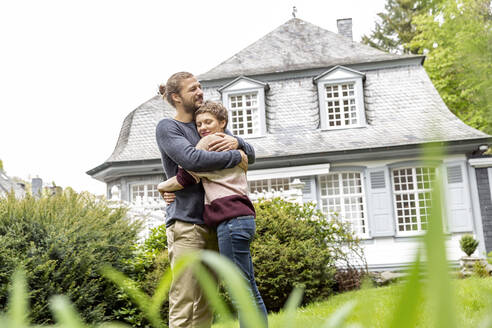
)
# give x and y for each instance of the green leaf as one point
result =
(337, 319)
(290, 308)
(237, 287)
(64, 313)
(18, 304)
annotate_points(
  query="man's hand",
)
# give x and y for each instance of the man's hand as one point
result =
(244, 161)
(226, 143)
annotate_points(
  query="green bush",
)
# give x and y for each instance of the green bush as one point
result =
(298, 246)
(61, 242)
(480, 269)
(468, 244)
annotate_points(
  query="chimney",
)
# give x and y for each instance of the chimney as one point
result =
(36, 186)
(345, 27)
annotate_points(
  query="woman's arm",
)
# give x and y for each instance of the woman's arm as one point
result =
(169, 185)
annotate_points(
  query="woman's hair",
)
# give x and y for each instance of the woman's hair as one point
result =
(173, 85)
(215, 108)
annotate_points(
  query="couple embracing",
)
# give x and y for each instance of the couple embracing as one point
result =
(206, 191)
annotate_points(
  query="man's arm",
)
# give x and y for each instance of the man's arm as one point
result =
(205, 142)
(171, 140)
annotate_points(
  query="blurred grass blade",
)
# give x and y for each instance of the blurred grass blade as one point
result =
(406, 313)
(290, 308)
(138, 297)
(236, 286)
(211, 291)
(18, 300)
(112, 325)
(439, 285)
(486, 322)
(65, 314)
(337, 319)
(162, 291)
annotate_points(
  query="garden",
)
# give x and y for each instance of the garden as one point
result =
(72, 260)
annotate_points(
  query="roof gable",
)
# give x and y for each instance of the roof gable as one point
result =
(339, 72)
(297, 45)
(243, 83)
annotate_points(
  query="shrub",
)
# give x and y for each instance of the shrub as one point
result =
(297, 246)
(480, 269)
(468, 244)
(61, 242)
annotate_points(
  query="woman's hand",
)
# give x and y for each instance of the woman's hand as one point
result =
(226, 143)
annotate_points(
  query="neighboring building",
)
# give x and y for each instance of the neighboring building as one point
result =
(347, 120)
(8, 185)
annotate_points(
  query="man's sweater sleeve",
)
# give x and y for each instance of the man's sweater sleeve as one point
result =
(246, 147)
(171, 140)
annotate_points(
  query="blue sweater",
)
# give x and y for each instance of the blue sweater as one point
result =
(176, 141)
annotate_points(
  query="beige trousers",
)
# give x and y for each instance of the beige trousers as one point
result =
(188, 307)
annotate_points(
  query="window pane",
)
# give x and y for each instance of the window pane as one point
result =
(340, 105)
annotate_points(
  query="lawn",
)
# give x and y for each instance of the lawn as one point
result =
(375, 306)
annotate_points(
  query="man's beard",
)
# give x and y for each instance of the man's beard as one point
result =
(190, 107)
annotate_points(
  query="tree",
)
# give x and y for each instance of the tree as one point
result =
(457, 39)
(395, 30)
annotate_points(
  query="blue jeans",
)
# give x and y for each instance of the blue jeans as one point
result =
(234, 237)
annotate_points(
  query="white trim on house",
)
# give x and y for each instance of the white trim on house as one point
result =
(243, 86)
(288, 172)
(481, 162)
(476, 211)
(337, 77)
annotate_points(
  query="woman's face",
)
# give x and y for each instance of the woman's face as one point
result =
(207, 123)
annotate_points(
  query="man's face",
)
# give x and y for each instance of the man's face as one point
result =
(191, 94)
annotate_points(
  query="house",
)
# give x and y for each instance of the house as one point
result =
(346, 119)
(8, 185)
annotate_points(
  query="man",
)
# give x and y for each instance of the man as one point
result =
(185, 227)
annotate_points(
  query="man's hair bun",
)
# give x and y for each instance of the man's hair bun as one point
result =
(162, 89)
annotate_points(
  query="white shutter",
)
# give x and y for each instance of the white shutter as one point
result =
(459, 212)
(380, 204)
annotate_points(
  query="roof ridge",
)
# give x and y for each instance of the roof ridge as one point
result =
(296, 45)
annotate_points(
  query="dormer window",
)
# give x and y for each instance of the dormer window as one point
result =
(341, 98)
(245, 100)
(243, 114)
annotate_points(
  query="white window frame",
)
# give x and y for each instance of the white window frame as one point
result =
(146, 190)
(243, 86)
(415, 192)
(268, 183)
(366, 234)
(337, 76)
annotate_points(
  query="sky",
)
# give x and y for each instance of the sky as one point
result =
(70, 71)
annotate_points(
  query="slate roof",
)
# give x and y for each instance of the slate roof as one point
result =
(297, 45)
(402, 107)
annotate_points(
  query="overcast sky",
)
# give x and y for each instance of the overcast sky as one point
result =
(70, 71)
